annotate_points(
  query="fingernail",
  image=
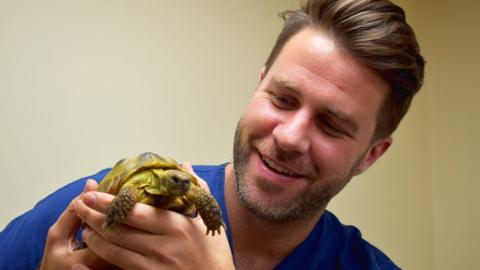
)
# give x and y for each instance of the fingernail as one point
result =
(90, 185)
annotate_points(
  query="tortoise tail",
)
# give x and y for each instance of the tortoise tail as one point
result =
(121, 205)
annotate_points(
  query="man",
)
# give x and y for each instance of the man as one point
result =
(335, 86)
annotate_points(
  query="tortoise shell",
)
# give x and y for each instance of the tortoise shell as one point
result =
(160, 182)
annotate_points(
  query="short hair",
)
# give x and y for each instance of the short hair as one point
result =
(376, 34)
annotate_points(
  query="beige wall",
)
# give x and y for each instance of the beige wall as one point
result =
(453, 42)
(85, 83)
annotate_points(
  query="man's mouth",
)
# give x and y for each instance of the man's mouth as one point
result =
(277, 168)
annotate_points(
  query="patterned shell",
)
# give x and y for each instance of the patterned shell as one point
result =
(125, 168)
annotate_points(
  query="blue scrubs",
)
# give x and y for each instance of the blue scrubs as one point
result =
(330, 245)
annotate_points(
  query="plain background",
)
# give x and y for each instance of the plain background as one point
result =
(86, 83)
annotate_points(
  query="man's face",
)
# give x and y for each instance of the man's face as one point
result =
(307, 129)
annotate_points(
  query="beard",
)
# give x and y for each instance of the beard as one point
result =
(307, 202)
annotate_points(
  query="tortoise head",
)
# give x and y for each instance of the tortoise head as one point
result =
(177, 182)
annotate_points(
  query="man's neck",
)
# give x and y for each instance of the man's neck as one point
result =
(259, 244)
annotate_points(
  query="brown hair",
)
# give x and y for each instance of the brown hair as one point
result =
(376, 34)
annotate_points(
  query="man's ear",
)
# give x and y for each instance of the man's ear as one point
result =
(376, 151)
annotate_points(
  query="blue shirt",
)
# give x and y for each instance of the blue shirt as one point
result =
(330, 245)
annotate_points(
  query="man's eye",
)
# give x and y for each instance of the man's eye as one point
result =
(283, 102)
(330, 128)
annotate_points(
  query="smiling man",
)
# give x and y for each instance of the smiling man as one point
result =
(307, 129)
(334, 88)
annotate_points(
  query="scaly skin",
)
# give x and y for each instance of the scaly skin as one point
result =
(208, 209)
(121, 205)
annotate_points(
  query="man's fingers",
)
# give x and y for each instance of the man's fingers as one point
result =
(86, 258)
(97, 200)
(68, 223)
(111, 252)
(93, 204)
(89, 215)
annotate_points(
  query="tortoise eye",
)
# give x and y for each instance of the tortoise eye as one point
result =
(175, 179)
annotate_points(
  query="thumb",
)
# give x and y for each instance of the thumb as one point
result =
(66, 225)
(68, 222)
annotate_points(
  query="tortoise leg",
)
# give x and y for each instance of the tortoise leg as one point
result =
(117, 211)
(121, 205)
(208, 209)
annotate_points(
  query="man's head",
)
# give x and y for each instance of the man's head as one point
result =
(375, 33)
(338, 81)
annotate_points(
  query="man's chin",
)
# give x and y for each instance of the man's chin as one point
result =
(275, 209)
(280, 216)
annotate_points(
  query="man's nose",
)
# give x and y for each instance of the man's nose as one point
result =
(292, 133)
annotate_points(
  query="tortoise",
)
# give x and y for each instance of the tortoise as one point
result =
(160, 182)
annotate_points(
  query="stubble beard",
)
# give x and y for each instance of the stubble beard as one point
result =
(306, 203)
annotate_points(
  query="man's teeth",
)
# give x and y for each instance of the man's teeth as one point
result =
(277, 168)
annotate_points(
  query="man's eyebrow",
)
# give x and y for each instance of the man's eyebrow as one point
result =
(288, 85)
(345, 118)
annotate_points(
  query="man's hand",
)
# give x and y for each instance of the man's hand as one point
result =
(152, 238)
(60, 250)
